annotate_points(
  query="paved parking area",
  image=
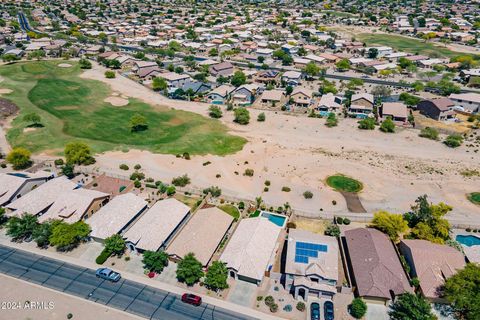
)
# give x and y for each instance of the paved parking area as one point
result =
(125, 295)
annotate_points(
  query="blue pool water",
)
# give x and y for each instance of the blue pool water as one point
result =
(276, 219)
(468, 240)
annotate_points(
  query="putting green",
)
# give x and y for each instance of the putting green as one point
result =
(72, 108)
(343, 183)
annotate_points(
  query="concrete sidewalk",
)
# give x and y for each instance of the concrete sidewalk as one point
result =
(31, 247)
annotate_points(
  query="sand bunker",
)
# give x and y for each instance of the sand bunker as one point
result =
(66, 108)
(64, 65)
(116, 101)
(5, 91)
(30, 129)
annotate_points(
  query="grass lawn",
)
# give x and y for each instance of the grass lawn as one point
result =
(231, 210)
(72, 108)
(255, 214)
(188, 200)
(343, 183)
(401, 43)
(474, 197)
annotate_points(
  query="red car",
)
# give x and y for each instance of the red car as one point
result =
(191, 299)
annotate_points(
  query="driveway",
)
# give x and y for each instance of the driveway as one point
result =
(377, 312)
(242, 293)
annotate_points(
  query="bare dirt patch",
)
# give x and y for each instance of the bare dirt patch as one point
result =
(7, 108)
(64, 65)
(116, 101)
(5, 91)
(30, 129)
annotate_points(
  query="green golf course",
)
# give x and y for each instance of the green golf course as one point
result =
(72, 108)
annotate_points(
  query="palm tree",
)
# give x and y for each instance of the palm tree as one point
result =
(259, 201)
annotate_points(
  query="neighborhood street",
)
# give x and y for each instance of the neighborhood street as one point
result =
(125, 295)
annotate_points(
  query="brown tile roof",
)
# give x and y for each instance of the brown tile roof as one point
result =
(376, 267)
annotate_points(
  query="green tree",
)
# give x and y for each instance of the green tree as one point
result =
(311, 69)
(261, 117)
(408, 99)
(155, 261)
(389, 223)
(215, 112)
(216, 278)
(238, 79)
(332, 120)
(109, 74)
(426, 220)
(387, 125)
(78, 153)
(159, 84)
(366, 124)
(462, 290)
(68, 170)
(372, 53)
(429, 133)
(409, 306)
(37, 54)
(241, 116)
(85, 64)
(42, 232)
(19, 158)
(358, 308)
(32, 118)
(343, 65)
(20, 228)
(66, 236)
(332, 230)
(453, 141)
(138, 123)
(115, 244)
(189, 270)
(10, 58)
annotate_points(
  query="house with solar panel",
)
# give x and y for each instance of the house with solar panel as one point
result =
(311, 265)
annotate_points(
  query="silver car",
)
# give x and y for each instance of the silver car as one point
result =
(108, 274)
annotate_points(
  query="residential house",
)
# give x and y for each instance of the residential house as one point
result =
(375, 269)
(438, 109)
(75, 205)
(311, 265)
(197, 87)
(361, 105)
(329, 103)
(397, 111)
(40, 199)
(156, 227)
(470, 102)
(292, 78)
(116, 216)
(16, 184)
(175, 80)
(251, 251)
(245, 94)
(301, 97)
(221, 94)
(202, 235)
(221, 69)
(272, 97)
(431, 264)
(269, 76)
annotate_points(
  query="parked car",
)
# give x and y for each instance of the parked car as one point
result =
(328, 310)
(315, 311)
(108, 274)
(191, 299)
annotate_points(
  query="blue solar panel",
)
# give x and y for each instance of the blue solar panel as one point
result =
(305, 250)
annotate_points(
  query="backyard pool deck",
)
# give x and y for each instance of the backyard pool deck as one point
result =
(472, 252)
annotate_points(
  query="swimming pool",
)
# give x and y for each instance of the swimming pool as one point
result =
(275, 218)
(468, 240)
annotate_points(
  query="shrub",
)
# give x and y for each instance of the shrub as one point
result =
(301, 306)
(265, 189)
(259, 298)
(274, 307)
(109, 74)
(334, 202)
(181, 181)
(171, 190)
(308, 195)
(269, 300)
(124, 167)
(69, 316)
(137, 184)
(366, 124)
(78, 153)
(242, 116)
(286, 189)
(332, 230)
(137, 176)
(248, 172)
(102, 257)
(346, 221)
(339, 220)
(59, 162)
(332, 120)
(215, 112)
(186, 156)
(291, 225)
(261, 117)
(387, 126)
(137, 167)
(241, 205)
(429, 133)
(19, 158)
(453, 140)
(358, 308)
(214, 191)
(267, 183)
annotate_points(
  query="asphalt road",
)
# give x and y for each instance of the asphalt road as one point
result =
(126, 295)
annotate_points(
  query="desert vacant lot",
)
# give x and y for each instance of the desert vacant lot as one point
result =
(401, 43)
(74, 108)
